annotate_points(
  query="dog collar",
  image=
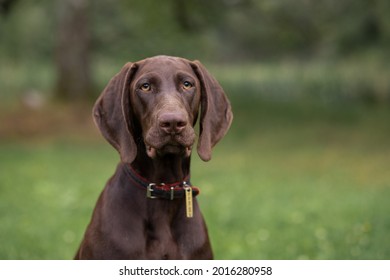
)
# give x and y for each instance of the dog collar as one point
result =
(161, 190)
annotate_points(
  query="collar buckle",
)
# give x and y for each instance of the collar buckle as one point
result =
(149, 190)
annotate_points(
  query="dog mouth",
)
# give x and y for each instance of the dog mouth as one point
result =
(173, 149)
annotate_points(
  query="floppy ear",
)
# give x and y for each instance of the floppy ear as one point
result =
(112, 116)
(216, 113)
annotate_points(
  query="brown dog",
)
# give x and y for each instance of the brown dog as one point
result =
(148, 209)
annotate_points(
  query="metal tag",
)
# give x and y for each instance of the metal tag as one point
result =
(189, 208)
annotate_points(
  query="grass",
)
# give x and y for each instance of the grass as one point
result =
(300, 187)
(293, 179)
(46, 194)
(288, 182)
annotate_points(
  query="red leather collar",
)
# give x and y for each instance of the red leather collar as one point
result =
(161, 190)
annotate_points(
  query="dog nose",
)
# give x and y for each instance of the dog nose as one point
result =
(173, 123)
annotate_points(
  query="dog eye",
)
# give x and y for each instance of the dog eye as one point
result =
(187, 85)
(146, 87)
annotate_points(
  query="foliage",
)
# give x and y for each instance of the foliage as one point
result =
(209, 30)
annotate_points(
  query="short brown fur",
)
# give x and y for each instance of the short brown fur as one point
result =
(148, 112)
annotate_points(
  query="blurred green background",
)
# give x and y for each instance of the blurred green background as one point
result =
(303, 172)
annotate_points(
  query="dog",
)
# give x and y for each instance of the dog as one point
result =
(147, 112)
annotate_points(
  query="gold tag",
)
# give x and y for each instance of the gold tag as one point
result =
(189, 210)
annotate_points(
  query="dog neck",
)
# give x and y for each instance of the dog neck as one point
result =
(166, 169)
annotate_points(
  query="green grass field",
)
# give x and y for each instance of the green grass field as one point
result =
(291, 180)
(287, 182)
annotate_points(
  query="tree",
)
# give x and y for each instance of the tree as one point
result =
(6, 6)
(72, 50)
